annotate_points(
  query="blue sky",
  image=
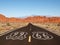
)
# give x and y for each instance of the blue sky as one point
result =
(23, 8)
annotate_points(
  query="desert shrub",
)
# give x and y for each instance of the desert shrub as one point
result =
(58, 24)
(8, 24)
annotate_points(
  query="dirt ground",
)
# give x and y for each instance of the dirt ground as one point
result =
(53, 27)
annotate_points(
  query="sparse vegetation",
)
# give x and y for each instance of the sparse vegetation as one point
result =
(10, 26)
(58, 24)
(53, 27)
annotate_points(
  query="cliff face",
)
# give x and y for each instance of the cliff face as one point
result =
(43, 19)
(2, 18)
(12, 19)
(36, 19)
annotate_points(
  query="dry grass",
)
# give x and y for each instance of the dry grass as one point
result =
(52, 27)
(4, 27)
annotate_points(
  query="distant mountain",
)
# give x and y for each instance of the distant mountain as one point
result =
(3, 18)
(35, 19)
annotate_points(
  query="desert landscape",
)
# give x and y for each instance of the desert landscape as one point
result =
(50, 23)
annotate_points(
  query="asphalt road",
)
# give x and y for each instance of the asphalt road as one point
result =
(32, 33)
